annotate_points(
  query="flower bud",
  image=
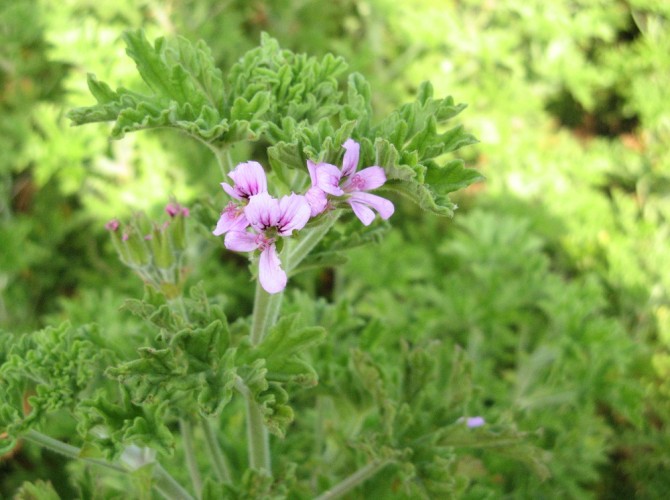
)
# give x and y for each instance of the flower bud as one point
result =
(160, 247)
(139, 254)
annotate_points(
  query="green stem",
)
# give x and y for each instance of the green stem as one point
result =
(224, 159)
(168, 486)
(264, 316)
(266, 311)
(221, 469)
(295, 254)
(163, 481)
(351, 482)
(67, 450)
(258, 439)
(189, 452)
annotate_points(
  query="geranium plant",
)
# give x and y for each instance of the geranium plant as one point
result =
(330, 176)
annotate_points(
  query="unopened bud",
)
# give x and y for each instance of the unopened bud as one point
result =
(161, 248)
(138, 251)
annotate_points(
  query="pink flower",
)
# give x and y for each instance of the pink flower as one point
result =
(327, 180)
(173, 209)
(249, 180)
(112, 225)
(269, 218)
(474, 422)
(232, 219)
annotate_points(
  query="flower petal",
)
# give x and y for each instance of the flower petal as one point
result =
(249, 180)
(365, 180)
(328, 178)
(270, 274)
(351, 154)
(311, 167)
(317, 200)
(361, 211)
(230, 191)
(232, 219)
(473, 422)
(381, 205)
(295, 211)
(240, 241)
(262, 211)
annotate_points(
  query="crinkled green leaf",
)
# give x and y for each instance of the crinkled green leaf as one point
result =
(506, 440)
(358, 106)
(39, 490)
(265, 87)
(46, 371)
(195, 368)
(294, 102)
(187, 92)
(321, 142)
(271, 397)
(254, 484)
(276, 361)
(370, 377)
(281, 349)
(193, 362)
(114, 422)
(409, 146)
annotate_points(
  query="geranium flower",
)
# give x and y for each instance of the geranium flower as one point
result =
(268, 219)
(327, 180)
(249, 180)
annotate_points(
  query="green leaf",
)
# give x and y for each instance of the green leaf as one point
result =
(281, 349)
(187, 92)
(254, 484)
(112, 421)
(193, 363)
(46, 371)
(409, 146)
(39, 490)
(505, 440)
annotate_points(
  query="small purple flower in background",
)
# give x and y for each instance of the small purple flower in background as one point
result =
(173, 209)
(473, 422)
(269, 217)
(249, 180)
(329, 180)
(112, 225)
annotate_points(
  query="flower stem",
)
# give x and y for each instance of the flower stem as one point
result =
(351, 482)
(266, 311)
(221, 469)
(168, 486)
(163, 481)
(189, 451)
(224, 159)
(308, 240)
(67, 450)
(258, 439)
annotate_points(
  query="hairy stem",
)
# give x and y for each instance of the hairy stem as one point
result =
(221, 469)
(307, 241)
(351, 482)
(163, 481)
(189, 451)
(266, 311)
(223, 158)
(168, 486)
(67, 449)
(258, 439)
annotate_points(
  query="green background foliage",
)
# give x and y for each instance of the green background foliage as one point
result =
(542, 305)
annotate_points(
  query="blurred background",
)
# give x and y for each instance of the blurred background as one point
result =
(551, 275)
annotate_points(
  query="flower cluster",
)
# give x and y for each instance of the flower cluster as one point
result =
(153, 249)
(254, 220)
